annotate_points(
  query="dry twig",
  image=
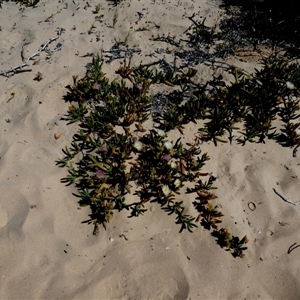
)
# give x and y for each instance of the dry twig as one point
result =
(295, 151)
(292, 247)
(285, 199)
(18, 69)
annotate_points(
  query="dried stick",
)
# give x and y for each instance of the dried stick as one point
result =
(292, 247)
(295, 151)
(18, 68)
(285, 199)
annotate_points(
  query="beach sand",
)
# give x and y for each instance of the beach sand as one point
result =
(46, 250)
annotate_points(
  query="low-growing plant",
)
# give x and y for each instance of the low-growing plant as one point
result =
(38, 76)
(119, 155)
(97, 9)
(245, 108)
(30, 2)
(114, 154)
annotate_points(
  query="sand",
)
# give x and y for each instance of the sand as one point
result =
(46, 250)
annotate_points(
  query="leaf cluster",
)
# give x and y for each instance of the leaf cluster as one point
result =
(248, 106)
(113, 154)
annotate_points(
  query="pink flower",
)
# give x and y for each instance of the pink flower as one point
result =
(96, 86)
(166, 157)
(100, 174)
(102, 148)
(139, 86)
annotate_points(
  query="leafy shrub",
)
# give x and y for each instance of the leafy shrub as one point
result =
(117, 155)
(251, 102)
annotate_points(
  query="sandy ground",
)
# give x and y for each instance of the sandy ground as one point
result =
(47, 253)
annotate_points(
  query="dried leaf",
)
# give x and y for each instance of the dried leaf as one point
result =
(57, 135)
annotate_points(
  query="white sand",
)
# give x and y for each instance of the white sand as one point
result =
(47, 253)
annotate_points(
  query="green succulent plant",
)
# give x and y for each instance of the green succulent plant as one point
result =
(116, 155)
(119, 155)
